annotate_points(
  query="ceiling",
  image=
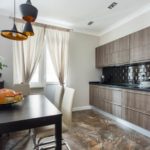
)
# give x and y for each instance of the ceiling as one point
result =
(76, 14)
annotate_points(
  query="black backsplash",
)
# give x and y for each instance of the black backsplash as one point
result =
(127, 74)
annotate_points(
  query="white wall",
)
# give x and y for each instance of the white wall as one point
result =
(134, 25)
(6, 51)
(82, 66)
(81, 63)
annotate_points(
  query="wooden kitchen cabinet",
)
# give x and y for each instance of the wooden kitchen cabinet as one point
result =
(113, 53)
(102, 56)
(132, 48)
(121, 51)
(130, 105)
(140, 45)
(98, 57)
(94, 95)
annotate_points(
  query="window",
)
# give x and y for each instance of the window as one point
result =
(50, 72)
(36, 77)
(44, 72)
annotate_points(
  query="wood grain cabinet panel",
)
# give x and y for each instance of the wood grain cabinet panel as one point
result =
(91, 95)
(130, 105)
(144, 121)
(116, 96)
(140, 45)
(113, 53)
(128, 99)
(116, 110)
(94, 95)
(108, 94)
(98, 57)
(132, 48)
(130, 115)
(140, 101)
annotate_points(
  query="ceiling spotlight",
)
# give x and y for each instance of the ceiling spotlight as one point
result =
(90, 23)
(112, 5)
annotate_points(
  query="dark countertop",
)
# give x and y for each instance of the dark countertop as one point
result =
(122, 85)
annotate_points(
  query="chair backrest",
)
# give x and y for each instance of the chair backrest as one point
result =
(66, 106)
(22, 87)
(58, 96)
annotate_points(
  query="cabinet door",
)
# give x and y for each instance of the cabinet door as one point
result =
(119, 51)
(116, 96)
(140, 101)
(128, 99)
(94, 95)
(91, 94)
(116, 110)
(98, 57)
(123, 50)
(139, 45)
(144, 121)
(130, 115)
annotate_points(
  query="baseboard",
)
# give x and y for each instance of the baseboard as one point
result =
(123, 122)
(82, 108)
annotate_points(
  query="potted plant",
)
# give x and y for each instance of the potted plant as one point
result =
(2, 65)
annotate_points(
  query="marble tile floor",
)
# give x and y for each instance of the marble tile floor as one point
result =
(90, 131)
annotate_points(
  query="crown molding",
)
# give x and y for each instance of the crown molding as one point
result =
(126, 20)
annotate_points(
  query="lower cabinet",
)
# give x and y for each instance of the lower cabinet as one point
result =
(130, 105)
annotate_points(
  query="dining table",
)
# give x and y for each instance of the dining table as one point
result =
(32, 112)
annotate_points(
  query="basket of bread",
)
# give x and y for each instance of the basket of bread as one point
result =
(9, 96)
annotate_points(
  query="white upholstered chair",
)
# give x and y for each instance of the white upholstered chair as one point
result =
(22, 87)
(42, 133)
(58, 96)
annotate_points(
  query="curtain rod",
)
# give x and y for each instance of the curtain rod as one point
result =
(43, 25)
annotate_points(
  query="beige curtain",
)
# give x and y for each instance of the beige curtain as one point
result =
(27, 54)
(58, 42)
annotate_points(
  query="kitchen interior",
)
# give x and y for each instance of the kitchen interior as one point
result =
(124, 86)
(108, 66)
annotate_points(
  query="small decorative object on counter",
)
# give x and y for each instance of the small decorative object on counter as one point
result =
(9, 96)
(102, 79)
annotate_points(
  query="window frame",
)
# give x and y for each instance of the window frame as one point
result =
(42, 73)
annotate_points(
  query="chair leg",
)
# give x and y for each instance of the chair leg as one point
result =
(66, 144)
(34, 137)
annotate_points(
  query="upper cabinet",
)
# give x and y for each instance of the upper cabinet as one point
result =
(133, 48)
(119, 51)
(102, 54)
(140, 46)
(114, 53)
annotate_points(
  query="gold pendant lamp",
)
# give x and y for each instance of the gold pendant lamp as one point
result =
(29, 12)
(28, 30)
(14, 34)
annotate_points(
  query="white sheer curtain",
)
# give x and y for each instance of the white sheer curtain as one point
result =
(27, 54)
(58, 42)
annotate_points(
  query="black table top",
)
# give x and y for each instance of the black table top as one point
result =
(33, 111)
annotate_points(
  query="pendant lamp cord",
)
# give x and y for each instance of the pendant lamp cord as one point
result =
(14, 10)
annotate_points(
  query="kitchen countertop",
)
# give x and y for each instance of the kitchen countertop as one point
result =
(122, 85)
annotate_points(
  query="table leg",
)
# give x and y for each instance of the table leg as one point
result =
(58, 133)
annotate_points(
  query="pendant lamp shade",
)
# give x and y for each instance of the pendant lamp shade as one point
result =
(28, 30)
(13, 34)
(29, 12)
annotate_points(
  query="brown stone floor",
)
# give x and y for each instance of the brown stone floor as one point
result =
(90, 131)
